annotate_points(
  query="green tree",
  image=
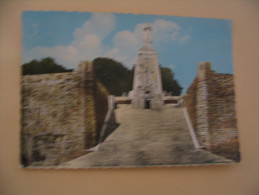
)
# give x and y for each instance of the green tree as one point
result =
(45, 65)
(113, 75)
(169, 83)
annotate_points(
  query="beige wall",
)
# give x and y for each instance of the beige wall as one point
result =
(239, 179)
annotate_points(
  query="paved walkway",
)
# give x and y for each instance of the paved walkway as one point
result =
(147, 137)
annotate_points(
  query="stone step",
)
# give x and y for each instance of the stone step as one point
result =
(147, 138)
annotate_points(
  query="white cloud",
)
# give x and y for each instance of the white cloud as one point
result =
(64, 55)
(100, 24)
(165, 30)
(88, 41)
(127, 43)
(184, 38)
(125, 39)
(164, 25)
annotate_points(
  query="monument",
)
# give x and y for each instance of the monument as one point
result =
(147, 84)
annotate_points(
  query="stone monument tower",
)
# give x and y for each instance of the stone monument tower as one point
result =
(147, 84)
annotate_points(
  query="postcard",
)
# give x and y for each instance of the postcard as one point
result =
(112, 90)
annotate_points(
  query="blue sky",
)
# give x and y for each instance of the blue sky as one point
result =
(181, 42)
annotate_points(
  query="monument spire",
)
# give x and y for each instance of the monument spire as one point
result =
(147, 83)
(147, 41)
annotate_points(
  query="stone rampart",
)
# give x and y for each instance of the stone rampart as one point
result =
(190, 102)
(210, 101)
(62, 115)
(221, 107)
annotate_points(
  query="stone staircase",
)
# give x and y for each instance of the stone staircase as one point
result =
(147, 138)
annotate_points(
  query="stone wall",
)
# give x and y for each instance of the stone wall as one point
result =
(210, 101)
(221, 104)
(190, 102)
(62, 115)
